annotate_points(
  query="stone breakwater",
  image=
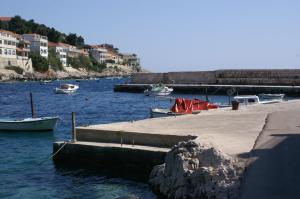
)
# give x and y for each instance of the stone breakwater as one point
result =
(282, 77)
(196, 170)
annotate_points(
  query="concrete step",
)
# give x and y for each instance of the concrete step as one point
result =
(87, 134)
(109, 155)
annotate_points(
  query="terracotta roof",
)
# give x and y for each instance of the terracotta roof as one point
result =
(9, 32)
(52, 44)
(5, 18)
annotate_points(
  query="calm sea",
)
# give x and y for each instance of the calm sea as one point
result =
(26, 171)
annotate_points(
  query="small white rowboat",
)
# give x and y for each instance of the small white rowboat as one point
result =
(28, 124)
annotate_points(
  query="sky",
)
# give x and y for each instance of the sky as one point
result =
(177, 35)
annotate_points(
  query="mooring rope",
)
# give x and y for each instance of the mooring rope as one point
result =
(66, 142)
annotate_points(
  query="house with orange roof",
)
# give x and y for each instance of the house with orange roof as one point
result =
(5, 19)
(61, 51)
(38, 44)
(99, 53)
(8, 44)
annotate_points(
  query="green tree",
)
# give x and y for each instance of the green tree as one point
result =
(39, 63)
(53, 60)
(21, 26)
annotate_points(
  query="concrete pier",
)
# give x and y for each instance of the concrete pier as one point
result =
(215, 89)
(144, 143)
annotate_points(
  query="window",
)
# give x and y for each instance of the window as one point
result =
(251, 100)
(0, 50)
(0, 41)
(8, 42)
(9, 52)
(5, 51)
(5, 42)
(13, 52)
(241, 100)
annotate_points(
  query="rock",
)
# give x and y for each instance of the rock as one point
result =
(196, 170)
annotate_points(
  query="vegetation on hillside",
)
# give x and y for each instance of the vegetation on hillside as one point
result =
(53, 60)
(22, 26)
(39, 63)
(88, 63)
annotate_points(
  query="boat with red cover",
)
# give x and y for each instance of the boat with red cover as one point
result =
(183, 106)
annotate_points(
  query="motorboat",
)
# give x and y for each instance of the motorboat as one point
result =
(159, 90)
(261, 99)
(182, 107)
(271, 97)
(66, 89)
(28, 124)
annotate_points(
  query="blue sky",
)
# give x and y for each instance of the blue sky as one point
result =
(177, 35)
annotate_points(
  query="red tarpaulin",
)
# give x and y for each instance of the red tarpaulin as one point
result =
(189, 106)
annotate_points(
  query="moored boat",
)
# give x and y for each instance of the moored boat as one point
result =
(28, 124)
(260, 99)
(66, 89)
(159, 90)
(182, 107)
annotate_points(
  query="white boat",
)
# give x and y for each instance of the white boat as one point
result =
(254, 99)
(268, 97)
(28, 124)
(159, 90)
(67, 89)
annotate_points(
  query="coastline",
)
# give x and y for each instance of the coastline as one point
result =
(68, 73)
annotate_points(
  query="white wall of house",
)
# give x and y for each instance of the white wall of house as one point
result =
(8, 43)
(38, 44)
(100, 54)
(62, 54)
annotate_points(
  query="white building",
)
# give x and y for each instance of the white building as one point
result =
(99, 53)
(130, 59)
(38, 44)
(8, 44)
(61, 51)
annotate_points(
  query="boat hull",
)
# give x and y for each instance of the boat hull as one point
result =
(30, 124)
(64, 91)
(158, 112)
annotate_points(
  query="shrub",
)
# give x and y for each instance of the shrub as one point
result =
(17, 69)
(39, 63)
(53, 60)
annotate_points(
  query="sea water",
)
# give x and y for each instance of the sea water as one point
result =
(26, 169)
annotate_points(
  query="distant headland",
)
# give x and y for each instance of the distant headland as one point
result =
(32, 51)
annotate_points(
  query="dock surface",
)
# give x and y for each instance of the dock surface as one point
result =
(234, 132)
(274, 171)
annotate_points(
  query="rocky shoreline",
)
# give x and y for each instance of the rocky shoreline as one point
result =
(69, 73)
(196, 170)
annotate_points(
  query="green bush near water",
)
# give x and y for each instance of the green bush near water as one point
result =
(39, 63)
(88, 63)
(53, 60)
(17, 69)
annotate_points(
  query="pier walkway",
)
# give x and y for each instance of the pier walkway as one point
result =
(145, 143)
(275, 167)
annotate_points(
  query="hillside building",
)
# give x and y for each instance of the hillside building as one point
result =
(38, 44)
(8, 44)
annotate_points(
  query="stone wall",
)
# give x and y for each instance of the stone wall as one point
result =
(25, 64)
(225, 77)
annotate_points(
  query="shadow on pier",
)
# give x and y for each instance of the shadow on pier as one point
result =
(275, 169)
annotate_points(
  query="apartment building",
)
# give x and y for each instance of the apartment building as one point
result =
(8, 44)
(99, 53)
(23, 48)
(38, 44)
(130, 59)
(61, 51)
